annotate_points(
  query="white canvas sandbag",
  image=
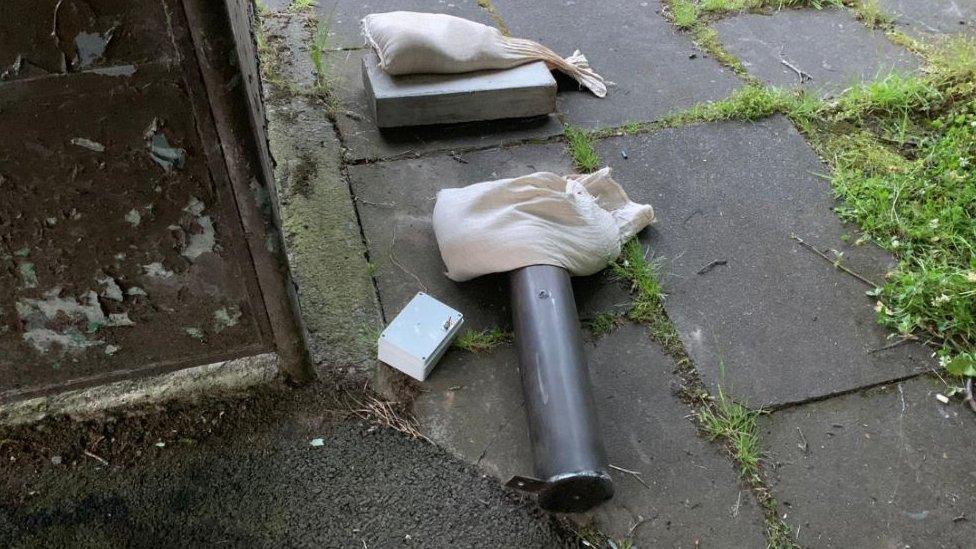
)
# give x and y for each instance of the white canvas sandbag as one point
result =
(435, 43)
(578, 222)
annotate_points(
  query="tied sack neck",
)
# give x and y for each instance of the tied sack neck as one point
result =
(575, 66)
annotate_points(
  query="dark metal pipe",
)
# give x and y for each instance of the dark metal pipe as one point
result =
(567, 449)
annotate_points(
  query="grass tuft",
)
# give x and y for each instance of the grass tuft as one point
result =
(602, 324)
(317, 49)
(483, 341)
(924, 212)
(648, 307)
(737, 425)
(751, 102)
(708, 40)
(871, 14)
(894, 96)
(684, 13)
(730, 6)
(581, 149)
(302, 5)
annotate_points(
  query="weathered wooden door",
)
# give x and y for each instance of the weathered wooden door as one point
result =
(137, 228)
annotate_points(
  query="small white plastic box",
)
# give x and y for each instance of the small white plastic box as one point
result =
(419, 335)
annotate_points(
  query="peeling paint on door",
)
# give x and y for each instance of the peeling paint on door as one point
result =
(118, 250)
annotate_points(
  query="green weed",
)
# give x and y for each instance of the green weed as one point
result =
(871, 14)
(751, 102)
(894, 96)
(708, 40)
(602, 324)
(737, 425)
(317, 49)
(728, 6)
(952, 59)
(924, 212)
(778, 535)
(684, 13)
(302, 5)
(581, 149)
(648, 306)
(483, 341)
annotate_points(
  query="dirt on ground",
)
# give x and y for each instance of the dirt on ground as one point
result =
(279, 466)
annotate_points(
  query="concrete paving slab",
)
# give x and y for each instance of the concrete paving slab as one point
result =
(894, 462)
(777, 324)
(364, 140)
(325, 247)
(398, 197)
(932, 16)
(472, 406)
(344, 16)
(286, 59)
(423, 99)
(629, 43)
(830, 46)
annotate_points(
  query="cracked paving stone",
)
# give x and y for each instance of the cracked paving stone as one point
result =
(399, 197)
(776, 324)
(472, 405)
(830, 46)
(630, 44)
(894, 461)
(920, 17)
(364, 140)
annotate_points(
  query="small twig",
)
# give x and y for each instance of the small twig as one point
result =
(640, 520)
(804, 445)
(800, 74)
(96, 458)
(836, 264)
(636, 474)
(393, 259)
(385, 414)
(377, 204)
(969, 394)
(712, 265)
(901, 341)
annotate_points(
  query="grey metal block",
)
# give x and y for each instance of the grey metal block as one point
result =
(422, 99)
